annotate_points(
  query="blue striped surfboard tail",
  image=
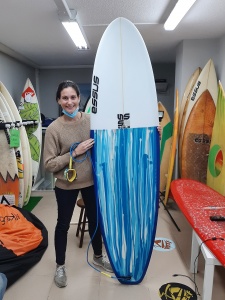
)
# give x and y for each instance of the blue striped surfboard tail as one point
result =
(126, 172)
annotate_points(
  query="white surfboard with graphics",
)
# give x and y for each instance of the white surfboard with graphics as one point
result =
(29, 111)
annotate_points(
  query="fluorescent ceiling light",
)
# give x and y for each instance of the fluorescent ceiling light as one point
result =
(76, 35)
(70, 21)
(177, 14)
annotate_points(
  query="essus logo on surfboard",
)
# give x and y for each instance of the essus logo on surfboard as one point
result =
(195, 90)
(94, 95)
(123, 120)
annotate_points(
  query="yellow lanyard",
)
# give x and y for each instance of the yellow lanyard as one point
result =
(70, 174)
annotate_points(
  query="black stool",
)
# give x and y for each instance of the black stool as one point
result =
(81, 227)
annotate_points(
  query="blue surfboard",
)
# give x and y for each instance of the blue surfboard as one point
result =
(124, 120)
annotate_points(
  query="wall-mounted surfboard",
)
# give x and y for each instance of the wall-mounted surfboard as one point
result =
(24, 144)
(199, 121)
(29, 110)
(216, 168)
(9, 180)
(126, 151)
(165, 146)
(173, 148)
(183, 107)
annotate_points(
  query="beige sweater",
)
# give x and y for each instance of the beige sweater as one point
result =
(59, 136)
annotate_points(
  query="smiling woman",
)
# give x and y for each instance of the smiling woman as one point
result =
(67, 149)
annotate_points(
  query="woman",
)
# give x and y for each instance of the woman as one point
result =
(72, 128)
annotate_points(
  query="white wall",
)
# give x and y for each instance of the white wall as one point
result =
(13, 74)
(221, 64)
(166, 71)
(192, 54)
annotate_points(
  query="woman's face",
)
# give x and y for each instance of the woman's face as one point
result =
(69, 101)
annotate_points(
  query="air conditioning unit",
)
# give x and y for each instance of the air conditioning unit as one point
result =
(161, 85)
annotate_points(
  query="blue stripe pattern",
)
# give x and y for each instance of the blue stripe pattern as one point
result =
(126, 171)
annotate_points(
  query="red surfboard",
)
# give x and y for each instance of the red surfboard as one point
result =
(198, 202)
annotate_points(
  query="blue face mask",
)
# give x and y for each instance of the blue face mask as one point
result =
(71, 115)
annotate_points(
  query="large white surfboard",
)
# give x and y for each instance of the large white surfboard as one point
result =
(124, 120)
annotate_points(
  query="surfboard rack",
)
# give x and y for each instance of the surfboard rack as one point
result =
(30, 122)
(17, 124)
(5, 126)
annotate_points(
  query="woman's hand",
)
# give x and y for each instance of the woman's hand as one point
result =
(83, 147)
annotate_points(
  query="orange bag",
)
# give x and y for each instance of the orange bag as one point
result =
(16, 232)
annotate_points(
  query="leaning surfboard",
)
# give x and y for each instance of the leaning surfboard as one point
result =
(165, 146)
(199, 124)
(9, 179)
(27, 172)
(8, 115)
(183, 107)
(126, 151)
(207, 80)
(29, 111)
(173, 149)
(186, 96)
(216, 168)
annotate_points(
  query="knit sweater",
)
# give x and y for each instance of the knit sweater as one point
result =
(59, 137)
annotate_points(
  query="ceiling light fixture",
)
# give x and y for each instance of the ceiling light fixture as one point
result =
(68, 17)
(76, 35)
(177, 14)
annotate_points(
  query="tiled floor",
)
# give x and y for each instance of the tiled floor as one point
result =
(85, 283)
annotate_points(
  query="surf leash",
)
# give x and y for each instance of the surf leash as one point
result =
(72, 148)
(70, 173)
(93, 267)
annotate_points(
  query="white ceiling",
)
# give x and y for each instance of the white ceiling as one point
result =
(31, 31)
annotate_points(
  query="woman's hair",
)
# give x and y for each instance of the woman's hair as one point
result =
(66, 84)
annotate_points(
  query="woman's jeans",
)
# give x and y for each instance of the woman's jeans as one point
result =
(66, 200)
